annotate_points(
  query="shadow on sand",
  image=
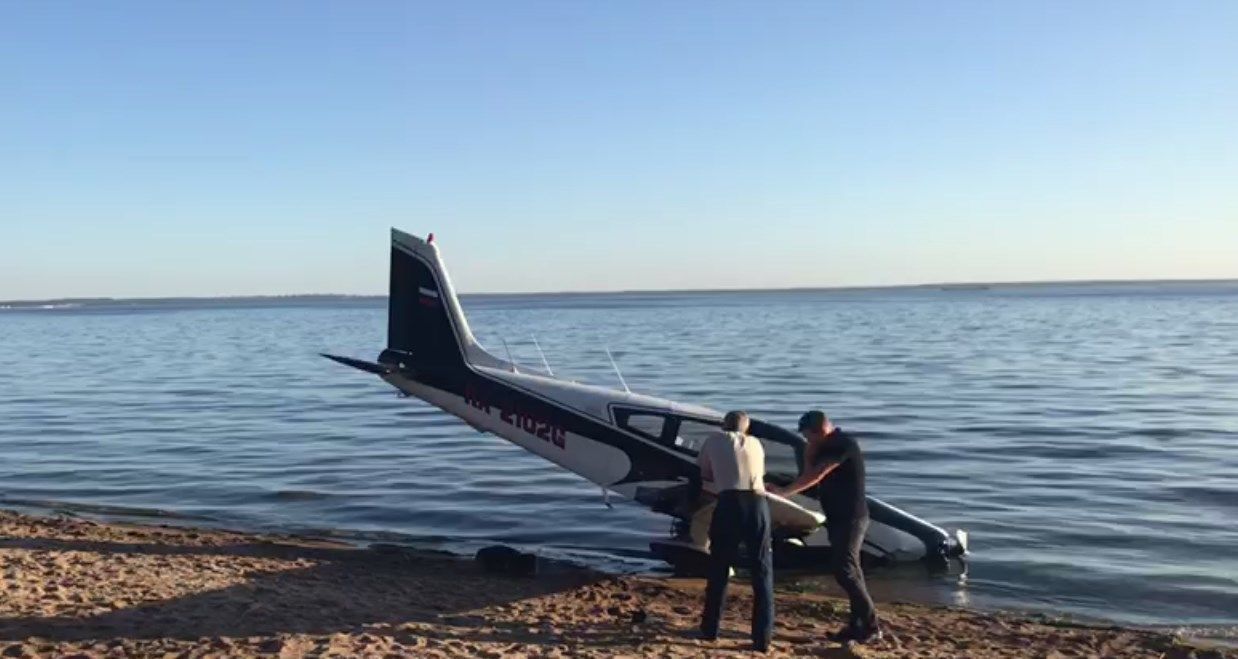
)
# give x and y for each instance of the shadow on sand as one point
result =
(413, 597)
(345, 590)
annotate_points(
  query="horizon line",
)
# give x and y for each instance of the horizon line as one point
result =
(637, 291)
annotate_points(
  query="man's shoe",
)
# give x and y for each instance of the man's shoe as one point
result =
(867, 636)
(703, 635)
(842, 635)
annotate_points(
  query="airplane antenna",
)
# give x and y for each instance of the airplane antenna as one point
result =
(544, 362)
(616, 367)
(510, 359)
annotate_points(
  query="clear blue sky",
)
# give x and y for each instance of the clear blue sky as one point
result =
(205, 148)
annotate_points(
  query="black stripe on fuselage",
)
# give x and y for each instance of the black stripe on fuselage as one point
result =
(648, 462)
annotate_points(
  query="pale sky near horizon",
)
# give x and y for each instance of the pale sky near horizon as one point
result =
(194, 148)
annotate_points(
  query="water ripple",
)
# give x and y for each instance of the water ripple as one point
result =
(1085, 436)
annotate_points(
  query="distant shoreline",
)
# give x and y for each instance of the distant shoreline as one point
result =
(300, 298)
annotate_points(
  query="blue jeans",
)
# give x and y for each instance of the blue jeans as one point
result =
(741, 516)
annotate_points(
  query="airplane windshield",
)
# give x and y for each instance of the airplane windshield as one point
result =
(784, 450)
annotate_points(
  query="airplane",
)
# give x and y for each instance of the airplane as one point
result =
(637, 446)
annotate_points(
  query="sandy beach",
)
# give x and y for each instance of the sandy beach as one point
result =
(73, 587)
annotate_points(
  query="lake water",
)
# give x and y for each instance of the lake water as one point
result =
(1085, 435)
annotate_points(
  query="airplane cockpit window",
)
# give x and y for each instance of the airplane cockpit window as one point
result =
(649, 425)
(783, 449)
(691, 435)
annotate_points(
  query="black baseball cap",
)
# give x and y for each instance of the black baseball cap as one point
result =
(812, 419)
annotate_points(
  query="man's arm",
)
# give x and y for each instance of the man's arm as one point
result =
(835, 455)
(809, 478)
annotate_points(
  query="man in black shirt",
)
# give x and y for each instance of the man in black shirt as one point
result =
(833, 459)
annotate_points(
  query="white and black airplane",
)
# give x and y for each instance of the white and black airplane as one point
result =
(637, 446)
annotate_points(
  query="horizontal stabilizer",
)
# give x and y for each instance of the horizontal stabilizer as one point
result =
(359, 364)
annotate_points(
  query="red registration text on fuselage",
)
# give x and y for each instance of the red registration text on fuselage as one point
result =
(512, 415)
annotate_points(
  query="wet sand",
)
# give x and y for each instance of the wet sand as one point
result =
(72, 587)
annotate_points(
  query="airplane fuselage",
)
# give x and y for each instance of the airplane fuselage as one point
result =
(592, 447)
(641, 447)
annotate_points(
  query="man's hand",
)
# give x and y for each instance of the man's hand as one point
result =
(776, 491)
(808, 479)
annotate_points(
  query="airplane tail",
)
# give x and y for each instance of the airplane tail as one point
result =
(426, 327)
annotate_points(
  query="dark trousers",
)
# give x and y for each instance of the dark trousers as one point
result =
(741, 516)
(846, 538)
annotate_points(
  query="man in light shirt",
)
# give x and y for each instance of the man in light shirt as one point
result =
(733, 466)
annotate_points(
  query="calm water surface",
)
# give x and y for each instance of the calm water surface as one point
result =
(1086, 436)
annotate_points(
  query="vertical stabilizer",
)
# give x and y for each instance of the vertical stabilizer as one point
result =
(426, 327)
